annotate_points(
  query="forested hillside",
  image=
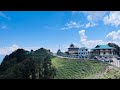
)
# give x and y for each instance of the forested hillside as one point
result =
(22, 64)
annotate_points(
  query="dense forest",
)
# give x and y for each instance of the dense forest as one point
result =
(22, 64)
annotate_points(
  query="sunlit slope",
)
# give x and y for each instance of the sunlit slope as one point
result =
(76, 69)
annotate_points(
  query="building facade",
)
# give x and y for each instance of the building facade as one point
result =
(100, 51)
(72, 51)
(83, 52)
(103, 50)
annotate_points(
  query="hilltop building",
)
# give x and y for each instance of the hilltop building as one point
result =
(72, 51)
(103, 51)
(83, 52)
(100, 51)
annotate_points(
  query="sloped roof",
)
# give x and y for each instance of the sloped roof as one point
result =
(103, 47)
(72, 46)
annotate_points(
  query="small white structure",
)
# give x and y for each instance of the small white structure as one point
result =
(83, 52)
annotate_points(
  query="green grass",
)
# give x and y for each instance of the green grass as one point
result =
(76, 69)
(113, 73)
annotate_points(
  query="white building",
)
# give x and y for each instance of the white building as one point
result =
(83, 52)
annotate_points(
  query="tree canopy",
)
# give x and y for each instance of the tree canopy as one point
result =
(22, 64)
(117, 48)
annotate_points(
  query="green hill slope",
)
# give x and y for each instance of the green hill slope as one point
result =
(77, 69)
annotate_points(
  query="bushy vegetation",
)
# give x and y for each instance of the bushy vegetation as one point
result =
(76, 69)
(22, 64)
(117, 48)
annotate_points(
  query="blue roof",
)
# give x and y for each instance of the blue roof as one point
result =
(103, 47)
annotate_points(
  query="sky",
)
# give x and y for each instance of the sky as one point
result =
(57, 29)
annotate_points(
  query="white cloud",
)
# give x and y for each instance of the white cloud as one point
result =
(93, 17)
(74, 12)
(113, 18)
(89, 43)
(83, 37)
(90, 24)
(90, 18)
(8, 50)
(93, 43)
(71, 25)
(114, 35)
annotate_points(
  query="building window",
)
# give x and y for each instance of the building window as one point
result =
(82, 50)
(86, 49)
(110, 52)
(104, 53)
(99, 53)
(82, 53)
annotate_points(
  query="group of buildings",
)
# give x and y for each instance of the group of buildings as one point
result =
(85, 53)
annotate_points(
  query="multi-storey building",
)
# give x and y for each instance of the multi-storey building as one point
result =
(103, 50)
(72, 51)
(83, 52)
